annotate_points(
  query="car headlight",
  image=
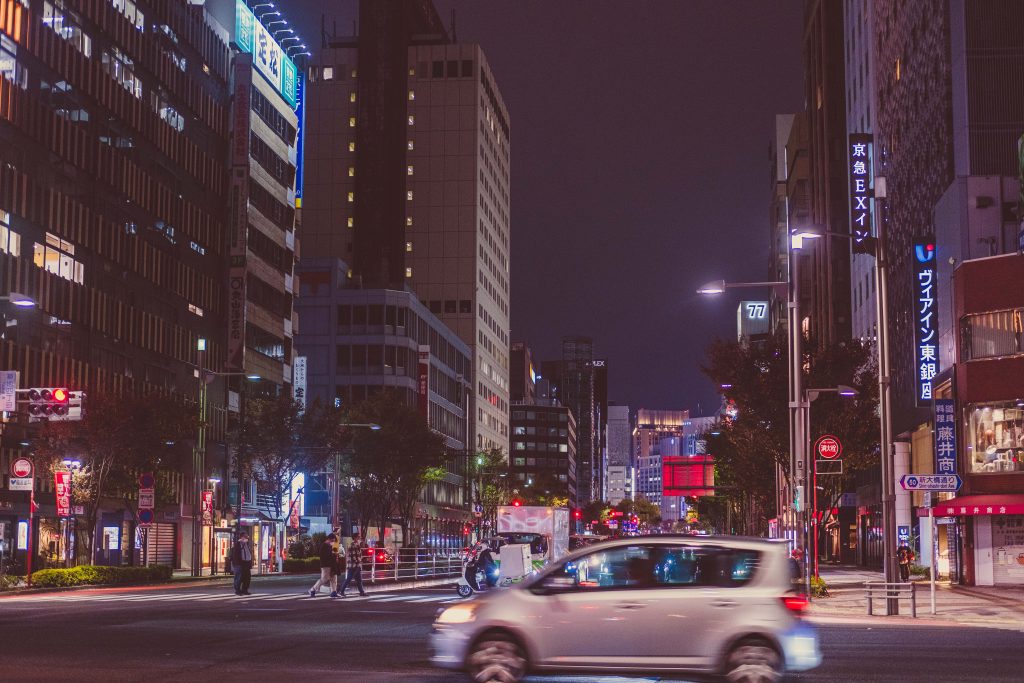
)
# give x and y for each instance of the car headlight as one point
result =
(457, 614)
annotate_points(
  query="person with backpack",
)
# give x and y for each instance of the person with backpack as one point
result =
(241, 564)
(328, 568)
(904, 555)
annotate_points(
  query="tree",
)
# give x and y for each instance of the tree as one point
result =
(646, 512)
(753, 436)
(492, 481)
(394, 463)
(118, 438)
(281, 440)
(545, 489)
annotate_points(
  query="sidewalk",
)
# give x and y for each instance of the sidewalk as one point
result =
(978, 605)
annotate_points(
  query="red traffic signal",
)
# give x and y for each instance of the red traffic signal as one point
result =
(516, 502)
(576, 514)
(44, 402)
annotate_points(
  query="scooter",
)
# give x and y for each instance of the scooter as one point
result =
(471, 568)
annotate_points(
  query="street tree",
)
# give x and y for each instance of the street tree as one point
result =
(751, 438)
(492, 481)
(118, 438)
(546, 489)
(393, 464)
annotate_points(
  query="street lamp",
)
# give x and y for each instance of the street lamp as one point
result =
(20, 300)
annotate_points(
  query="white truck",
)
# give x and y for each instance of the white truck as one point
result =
(545, 529)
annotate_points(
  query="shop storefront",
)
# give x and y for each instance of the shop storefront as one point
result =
(985, 538)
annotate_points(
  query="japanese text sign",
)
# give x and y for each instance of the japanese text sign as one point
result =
(926, 324)
(253, 37)
(859, 159)
(945, 436)
(62, 484)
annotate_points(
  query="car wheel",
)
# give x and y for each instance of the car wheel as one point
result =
(753, 662)
(497, 658)
(464, 591)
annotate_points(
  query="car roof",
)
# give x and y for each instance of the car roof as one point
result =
(740, 542)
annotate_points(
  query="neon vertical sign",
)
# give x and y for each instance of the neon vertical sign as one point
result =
(926, 343)
(859, 158)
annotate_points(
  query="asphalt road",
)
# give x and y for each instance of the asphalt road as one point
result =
(205, 633)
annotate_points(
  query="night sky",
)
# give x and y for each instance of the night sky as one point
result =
(640, 134)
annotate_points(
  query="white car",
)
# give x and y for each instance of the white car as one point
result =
(652, 605)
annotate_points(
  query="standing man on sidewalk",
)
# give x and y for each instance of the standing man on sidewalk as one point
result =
(354, 560)
(241, 564)
(328, 563)
(904, 555)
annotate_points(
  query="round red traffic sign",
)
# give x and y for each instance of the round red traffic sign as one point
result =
(828, 447)
(21, 468)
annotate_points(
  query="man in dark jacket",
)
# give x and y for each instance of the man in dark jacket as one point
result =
(241, 564)
(354, 565)
(328, 568)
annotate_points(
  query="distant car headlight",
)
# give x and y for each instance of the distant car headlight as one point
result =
(457, 614)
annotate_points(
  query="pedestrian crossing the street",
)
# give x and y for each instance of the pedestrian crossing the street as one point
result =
(194, 597)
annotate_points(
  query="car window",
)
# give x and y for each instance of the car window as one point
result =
(655, 566)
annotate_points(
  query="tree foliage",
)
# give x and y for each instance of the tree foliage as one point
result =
(753, 436)
(118, 438)
(394, 463)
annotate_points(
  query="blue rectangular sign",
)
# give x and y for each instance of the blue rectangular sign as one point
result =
(945, 436)
(926, 323)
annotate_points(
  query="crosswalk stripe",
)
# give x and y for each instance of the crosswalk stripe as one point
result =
(219, 597)
(432, 598)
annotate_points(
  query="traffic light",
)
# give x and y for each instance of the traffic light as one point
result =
(54, 404)
(516, 502)
(577, 514)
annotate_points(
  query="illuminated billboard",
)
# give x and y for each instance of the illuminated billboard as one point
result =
(683, 475)
(267, 55)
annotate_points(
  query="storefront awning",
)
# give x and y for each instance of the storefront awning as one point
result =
(988, 504)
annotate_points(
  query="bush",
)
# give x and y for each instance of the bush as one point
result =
(92, 575)
(920, 572)
(819, 589)
(301, 547)
(303, 565)
(9, 581)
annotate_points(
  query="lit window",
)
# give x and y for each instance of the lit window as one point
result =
(57, 257)
(408, 272)
(898, 68)
(328, 73)
(351, 122)
(408, 246)
(192, 308)
(348, 273)
(411, 145)
(10, 241)
(408, 221)
(351, 196)
(351, 171)
(353, 73)
(412, 120)
(351, 221)
(352, 97)
(408, 195)
(409, 170)
(352, 146)
(412, 95)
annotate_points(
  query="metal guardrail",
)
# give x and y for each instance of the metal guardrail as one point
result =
(891, 593)
(410, 564)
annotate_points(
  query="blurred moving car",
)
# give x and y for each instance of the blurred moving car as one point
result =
(656, 605)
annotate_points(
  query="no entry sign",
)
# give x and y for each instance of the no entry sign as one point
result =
(828, 447)
(21, 468)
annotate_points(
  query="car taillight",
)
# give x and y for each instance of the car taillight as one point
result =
(797, 604)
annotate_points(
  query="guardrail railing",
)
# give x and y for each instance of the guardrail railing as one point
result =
(879, 590)
(409, 564)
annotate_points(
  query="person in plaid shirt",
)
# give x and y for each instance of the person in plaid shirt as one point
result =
(354, 562)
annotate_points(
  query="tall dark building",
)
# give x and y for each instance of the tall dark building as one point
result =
(601, 428)
(522, 375)
(577, 392)
(825, 96)
(544, 449)
(409, 136)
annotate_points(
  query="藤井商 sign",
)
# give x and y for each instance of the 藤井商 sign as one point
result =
(926, 323)
(945, 437)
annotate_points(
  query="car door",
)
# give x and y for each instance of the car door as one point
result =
(700, 603)
(593, 610)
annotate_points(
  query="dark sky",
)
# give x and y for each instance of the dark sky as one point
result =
(640, 134)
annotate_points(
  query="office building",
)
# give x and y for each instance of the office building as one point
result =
(650, 428)
(522, 375)
(408, 151)
(543, 455)
(619, 469)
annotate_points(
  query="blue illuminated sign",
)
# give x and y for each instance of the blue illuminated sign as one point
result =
(926, 343)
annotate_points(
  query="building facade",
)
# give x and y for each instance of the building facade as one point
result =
(409, 182)
(619, 468)
(544, 450)
(650, 428)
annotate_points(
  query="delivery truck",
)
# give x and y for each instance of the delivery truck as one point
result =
(545, 529)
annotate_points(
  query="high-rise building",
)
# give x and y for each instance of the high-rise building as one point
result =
(544, 450)
(620, 455)
(825, 97)
(650, 428)
(522, 375)
(408, 137)
(576, 390)
(778, 220)
(601, 428)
